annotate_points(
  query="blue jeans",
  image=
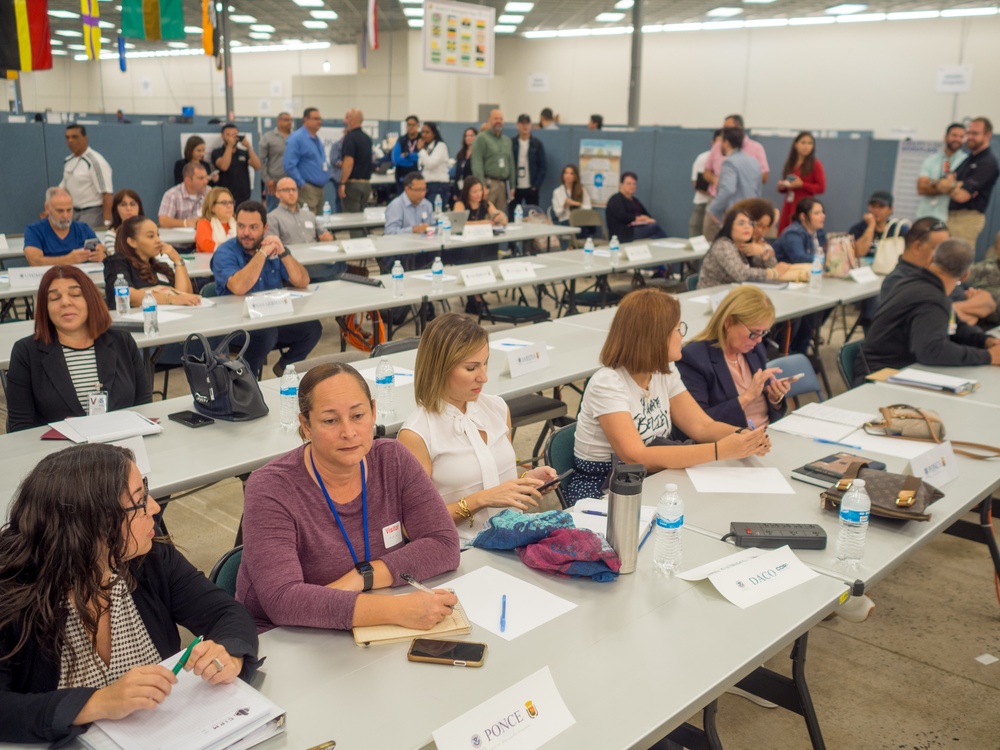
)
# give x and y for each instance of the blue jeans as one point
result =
(297, 339)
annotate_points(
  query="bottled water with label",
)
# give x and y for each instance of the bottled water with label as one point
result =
(518, 214)
(855, 510)
(327, 210)
(150, 317)
(669, 522)
(385, 396)
(616, 252)
(289, 389)
(123, 305)
(444, 230)
(588, 253)
(397, 280)
(437, 204)
(816, 272)
(437, 275)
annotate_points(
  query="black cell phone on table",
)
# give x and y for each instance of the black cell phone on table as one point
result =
(452, 653)
(555, 481)
(190, 418)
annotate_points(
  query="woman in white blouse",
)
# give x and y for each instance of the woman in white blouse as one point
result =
(433, 164)
(570, 195)
(460, 435)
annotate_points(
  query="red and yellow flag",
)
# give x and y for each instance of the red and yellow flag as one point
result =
(90, 14)
(25, 41)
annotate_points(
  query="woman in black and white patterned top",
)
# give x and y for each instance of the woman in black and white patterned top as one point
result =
(90, 601)
(73, 353)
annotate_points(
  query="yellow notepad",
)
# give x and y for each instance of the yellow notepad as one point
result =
(455, 624)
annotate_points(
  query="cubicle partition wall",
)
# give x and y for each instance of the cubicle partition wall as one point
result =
(25, 158)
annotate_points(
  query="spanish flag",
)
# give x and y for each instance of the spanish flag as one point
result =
(153, 19)
(90, 14)
(24, 35)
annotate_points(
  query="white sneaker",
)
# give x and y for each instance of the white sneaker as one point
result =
(856, 609)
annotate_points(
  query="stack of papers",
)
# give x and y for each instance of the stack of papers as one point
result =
(821, 421)
(400, 375)
(933, 380)
(106, 428)
(592, 513)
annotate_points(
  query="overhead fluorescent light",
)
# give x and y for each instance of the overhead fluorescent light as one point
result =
(412, 2)
(242, 18)
(57, 41)
(722, 25)
(316, 24)
(177, 45)
(76, 46)
(762, 23)
(413, 12)
(652, 28)
(862, 18)
(109, 54)
(324, 15)
(811, 21)
(681, 27)
(502, 28)
(309, 3)
(232, 43)
(259, 35)
(540, 34)
(60, 52)
(193, 30)
(757, 2)
(415, 23)
(609, 17)
(913, 15)
(959, 12)
(63, 14)
(611, 31)
(573, 32)
(518, 7)
(507, 18)
(68, 32)
(105, 25)
(845, 9)
(724, 11)
(265, 27)
(624, 4)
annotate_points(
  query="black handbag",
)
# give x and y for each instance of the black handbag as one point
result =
(223, 387)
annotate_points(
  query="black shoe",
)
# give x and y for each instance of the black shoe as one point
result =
(472, 306)
(278, 369)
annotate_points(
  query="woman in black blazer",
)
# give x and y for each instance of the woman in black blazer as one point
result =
(725, 366)
(71, 323)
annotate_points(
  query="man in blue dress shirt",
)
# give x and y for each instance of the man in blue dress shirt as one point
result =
(252, 263)
(305, 160)
(410, 213)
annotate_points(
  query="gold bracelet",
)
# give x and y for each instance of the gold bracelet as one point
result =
(463, 510)
(524, 474)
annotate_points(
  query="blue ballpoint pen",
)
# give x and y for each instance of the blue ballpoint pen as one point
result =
(750, 422)
(503, 613)
(834, 442)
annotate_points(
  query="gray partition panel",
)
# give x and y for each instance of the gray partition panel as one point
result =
(22, 191)
(879, 171)
(673, 194)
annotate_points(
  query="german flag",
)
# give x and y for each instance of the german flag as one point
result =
(24, 35)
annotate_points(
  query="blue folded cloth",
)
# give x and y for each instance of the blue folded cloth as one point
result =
(509, 528)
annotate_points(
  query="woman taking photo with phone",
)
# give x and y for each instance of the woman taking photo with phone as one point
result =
(90, 601)
(340, 516)
(725, 366)
(634, 400)
(460, 435)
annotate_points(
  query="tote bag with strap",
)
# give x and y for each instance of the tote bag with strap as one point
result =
(890, 247)
(223, 386)
(840, 257)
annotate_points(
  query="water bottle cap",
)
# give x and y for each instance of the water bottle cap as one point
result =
(671, 487)
(859, 484)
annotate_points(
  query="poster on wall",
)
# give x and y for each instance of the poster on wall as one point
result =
(909, 159)
(458, 38)
(600, 165)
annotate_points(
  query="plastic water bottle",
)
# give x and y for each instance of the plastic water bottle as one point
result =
(669, 548)
(444, 229)
(816, 273)
(385, 396)
(437, 275)
(518, 214)
(437, 204)
(397, 280)
(327, 210)
(588, 253)
(150, 317)
(616, 252)
(855, 509)
(123, 305)
(289, 389)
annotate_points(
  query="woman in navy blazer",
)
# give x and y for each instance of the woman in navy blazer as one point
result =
(70, 315)
(725, 366)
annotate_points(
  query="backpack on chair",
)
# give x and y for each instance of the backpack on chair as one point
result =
(353, 332)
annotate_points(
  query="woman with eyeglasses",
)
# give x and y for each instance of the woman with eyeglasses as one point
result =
(633, 402)
(734, 257)
(216, 224)
(90, 601)
(725, 366)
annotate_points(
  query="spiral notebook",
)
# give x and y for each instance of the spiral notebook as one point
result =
(455, 624)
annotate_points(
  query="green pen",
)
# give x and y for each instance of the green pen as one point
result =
(184, 657)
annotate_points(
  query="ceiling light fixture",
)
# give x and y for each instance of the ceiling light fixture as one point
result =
(265, 27)
(502, 28)
(413, 12)
(63, 14)
(862, 18)
(316, 24)
(508, 19)
(309, 3)
(416, 23)
(846, 9)
(518, 7)
(762, 23)
(259, 35)
(609, 17)
(811, 21)
(68, 32)
(242, 18)
(913, 15)
(722, 25)
(324, 15)
(959, 12)
(624, 4)
(724, 12)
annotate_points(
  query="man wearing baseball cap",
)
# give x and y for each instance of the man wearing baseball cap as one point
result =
(877, 224)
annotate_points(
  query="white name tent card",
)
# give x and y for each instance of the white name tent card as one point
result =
(3, 241)
(400, 375)
(525, 359)
(328, 247)
(477, 232)
(754, 578)
(699, 243)
(27, 275)
(267, 305)
(375, 214)
(358, 245)
(429, 276)
(638, 252)
(477, 276)
(936, 465)
(525, 716)
(516, 270)
(865, 273)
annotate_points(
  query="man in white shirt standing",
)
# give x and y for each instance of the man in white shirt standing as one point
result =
(701, 195)
(87, 178)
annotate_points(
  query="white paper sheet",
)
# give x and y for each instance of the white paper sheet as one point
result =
(205, 302)
(103, 428)
(887, 445)
(161, 317)
(138, 447)
(933, 380)
(827, 413)
(592, 513)
(401, 375)
(704, 571)
(793, 424)
(430, 276)
(739, 480)
(528, 606)
(506, 344)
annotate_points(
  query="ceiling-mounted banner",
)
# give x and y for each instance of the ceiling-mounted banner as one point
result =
(459, 38)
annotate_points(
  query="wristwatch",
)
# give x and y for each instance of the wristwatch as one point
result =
(367, 572)
(285, 254)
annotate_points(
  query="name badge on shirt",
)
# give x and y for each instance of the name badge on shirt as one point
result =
(97, 403)
(308, 224)
(501, 162)
(392, 535)
(952, 324)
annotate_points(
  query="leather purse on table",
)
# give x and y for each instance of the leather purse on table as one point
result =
(892, 495)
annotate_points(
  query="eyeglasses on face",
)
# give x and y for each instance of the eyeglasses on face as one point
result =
(752, 334)
(682, 329)
(145, 499)
(225, 203)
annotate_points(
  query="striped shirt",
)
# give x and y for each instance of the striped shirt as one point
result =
(87, 178)
(82, 364)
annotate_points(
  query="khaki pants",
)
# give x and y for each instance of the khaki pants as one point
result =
(697, 220)
(356, 195)
(312, 195)
(711, 227)
(966, 225)
(496, 193)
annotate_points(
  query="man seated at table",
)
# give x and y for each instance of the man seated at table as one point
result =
(57, 239)
(181, 204)
(970, 304)
(296, 225)
(250, 263)
(985, 277)
(627, 218)
(915, 325)
(410, 213)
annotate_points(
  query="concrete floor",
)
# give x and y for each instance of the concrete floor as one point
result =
(907, 679)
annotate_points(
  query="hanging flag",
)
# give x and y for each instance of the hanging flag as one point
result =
(121, 52)
(373, 23)
(208, 26)
(153, 19)
(90, 14)
(25, 41)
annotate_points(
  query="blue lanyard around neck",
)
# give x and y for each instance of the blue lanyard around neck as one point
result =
(336, 515)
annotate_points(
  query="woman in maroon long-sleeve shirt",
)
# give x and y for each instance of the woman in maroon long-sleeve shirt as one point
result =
(306, 559)
(803, 176)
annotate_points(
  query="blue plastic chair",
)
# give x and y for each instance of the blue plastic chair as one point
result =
(224, 571)
(845, 361)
